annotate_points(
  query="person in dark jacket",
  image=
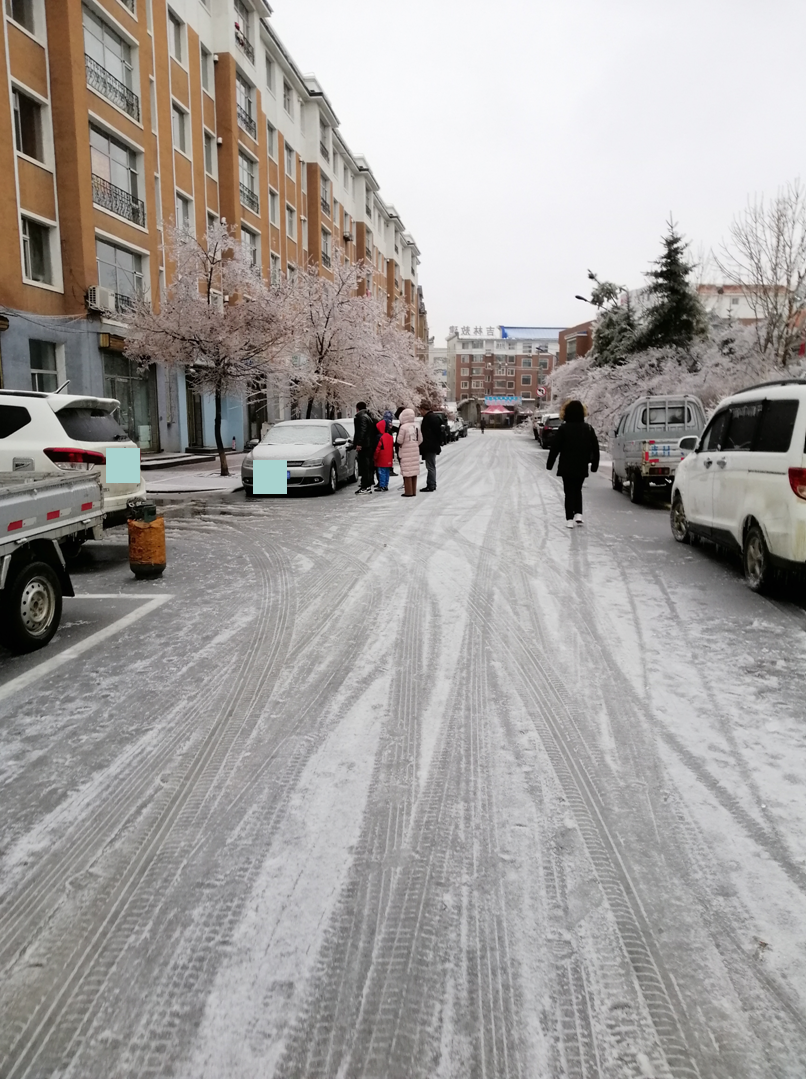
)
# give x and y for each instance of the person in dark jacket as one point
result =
(365, 439)
(431, 444)
(577, 447)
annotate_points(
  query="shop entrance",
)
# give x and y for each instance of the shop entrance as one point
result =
(137, 393)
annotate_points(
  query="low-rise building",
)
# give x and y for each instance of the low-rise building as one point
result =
(575, 342)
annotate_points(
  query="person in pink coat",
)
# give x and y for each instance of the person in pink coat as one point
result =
(409, 438)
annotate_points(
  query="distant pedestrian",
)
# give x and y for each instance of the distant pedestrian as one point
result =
(365, 439)
(384, 456)
(482, 424)
(577, 447)
(431, 443)
(409, 439)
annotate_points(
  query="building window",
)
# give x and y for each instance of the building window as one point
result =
(243, 33)
(175, 44)
(36, 252)
(274, 207)
(526, 395)
(288, 98)
(325, 248)
(209, 154)
(212, 220)
(324, 140)
(270, 74)
(179, 119)
(44, 374)
(291, 223)
(206, 70)
(526, 380)
(290, 162)
(243, 106)
(248, 182)
(478, 384)
(465, 371)
(274, 268)
(121, 271)
(109, 64)
(22, 12)
(27, 126)
(115, 181)
(465, 385)
(325, 195)
(183, 213)
(526, 363)
(510, 385)
(304, 233)
(271, 138)
(251, 246)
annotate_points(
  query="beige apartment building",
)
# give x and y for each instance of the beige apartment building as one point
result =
(123, 114)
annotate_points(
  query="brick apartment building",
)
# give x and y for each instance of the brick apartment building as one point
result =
(575, 342)
(508, 364)
(123, 114)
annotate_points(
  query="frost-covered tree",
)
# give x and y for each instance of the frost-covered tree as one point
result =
(674, 315)
(217, 320)
(766, 257)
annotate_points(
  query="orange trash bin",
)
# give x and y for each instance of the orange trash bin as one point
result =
(147, 547)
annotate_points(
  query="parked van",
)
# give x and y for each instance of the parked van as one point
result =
(650, 440)
(744, 486)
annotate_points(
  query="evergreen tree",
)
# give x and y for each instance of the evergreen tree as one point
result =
(675, 315)
(614, 336)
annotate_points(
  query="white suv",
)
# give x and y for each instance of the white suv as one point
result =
(744, 486)
(60, 432)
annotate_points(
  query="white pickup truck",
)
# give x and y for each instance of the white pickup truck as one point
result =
(38, 514)
(651, 439)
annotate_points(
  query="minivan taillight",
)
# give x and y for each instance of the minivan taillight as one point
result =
(797, 481)
(75, 460)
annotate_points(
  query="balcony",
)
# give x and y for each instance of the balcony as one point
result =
(244, 44)
(325, 204)
(118, 200)
(111, 88)
(249, 199)
(323, 150)
(246, 121)
(326, 259)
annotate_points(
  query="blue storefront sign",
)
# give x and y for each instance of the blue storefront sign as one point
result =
(508, 399)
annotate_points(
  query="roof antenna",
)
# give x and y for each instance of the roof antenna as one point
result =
(63, 386)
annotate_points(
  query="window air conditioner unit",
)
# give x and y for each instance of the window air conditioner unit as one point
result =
(100, 298)
(348, 236)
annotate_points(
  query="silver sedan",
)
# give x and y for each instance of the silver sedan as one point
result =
(318, 454)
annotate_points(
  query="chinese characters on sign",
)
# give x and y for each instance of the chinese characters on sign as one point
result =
(478, 330)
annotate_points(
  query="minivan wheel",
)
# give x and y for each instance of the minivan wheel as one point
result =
(679, 521)
(636, 490)
(615, 480)
(756, 559)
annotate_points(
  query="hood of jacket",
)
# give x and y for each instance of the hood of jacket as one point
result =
(381, 425)
(407, 415)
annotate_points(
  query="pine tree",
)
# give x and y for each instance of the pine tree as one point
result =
(675, 315)
(614, 335)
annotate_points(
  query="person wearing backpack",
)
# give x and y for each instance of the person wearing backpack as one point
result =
(409, 439)
(384, 456)
(577, 447)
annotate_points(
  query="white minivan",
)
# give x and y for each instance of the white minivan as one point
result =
(744, 486)
(62, 433)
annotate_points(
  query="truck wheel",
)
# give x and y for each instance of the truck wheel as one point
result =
(32, 608)
(679, 521)
(756, 560)
(615, 480)
(636, 490)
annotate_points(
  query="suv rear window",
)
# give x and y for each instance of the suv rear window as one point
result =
(12, 418)
(91, 425)
(775, 427)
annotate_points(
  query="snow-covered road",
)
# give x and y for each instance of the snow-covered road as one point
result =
(410, 789)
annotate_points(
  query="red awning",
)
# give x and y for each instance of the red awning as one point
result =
(496, 410)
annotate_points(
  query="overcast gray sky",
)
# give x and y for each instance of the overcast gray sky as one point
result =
(523, 142)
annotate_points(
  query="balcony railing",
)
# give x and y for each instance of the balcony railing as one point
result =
(246, 121)
(326, 204)
(111, 88)
(249, 199)
(326, 259)
(118, 200)
(245, 45)
(323, 150)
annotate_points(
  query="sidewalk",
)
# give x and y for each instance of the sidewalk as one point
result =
(205, 477)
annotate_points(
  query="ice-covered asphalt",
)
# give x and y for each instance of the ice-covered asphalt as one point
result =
(409, 788)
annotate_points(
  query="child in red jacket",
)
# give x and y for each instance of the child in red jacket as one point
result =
(384, 456)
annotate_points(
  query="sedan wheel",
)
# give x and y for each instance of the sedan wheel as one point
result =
(756, 559)
(333, 481)
(679, 522)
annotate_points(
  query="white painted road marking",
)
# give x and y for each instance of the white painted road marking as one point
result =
(52, 663)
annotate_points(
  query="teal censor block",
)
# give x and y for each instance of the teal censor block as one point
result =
(123, 464)
(270, 477)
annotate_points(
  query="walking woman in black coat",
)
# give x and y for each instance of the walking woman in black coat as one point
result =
(577, 447)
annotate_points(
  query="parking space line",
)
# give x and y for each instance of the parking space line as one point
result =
(52, 663)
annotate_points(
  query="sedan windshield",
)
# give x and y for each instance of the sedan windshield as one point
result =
(302, 435)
